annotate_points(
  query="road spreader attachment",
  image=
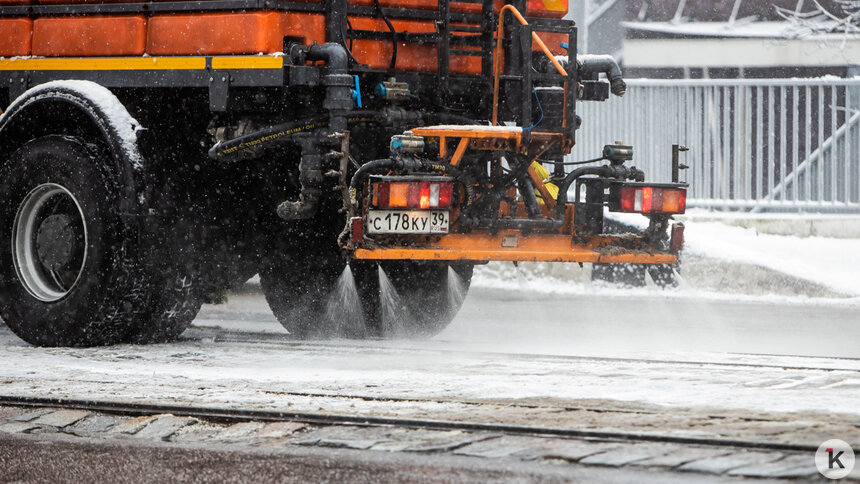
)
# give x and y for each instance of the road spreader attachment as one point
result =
(481, 193)
(491, 199)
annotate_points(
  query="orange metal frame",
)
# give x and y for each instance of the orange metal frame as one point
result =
(511, 245)
(497, 56)
(493, 138)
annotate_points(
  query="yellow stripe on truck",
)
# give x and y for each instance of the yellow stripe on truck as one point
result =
(140, 63)
(248, 62)
(103, 64)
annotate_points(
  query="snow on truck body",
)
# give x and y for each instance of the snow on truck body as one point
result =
(156, 153)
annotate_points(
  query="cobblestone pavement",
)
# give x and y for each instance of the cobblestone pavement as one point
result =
(258, 436)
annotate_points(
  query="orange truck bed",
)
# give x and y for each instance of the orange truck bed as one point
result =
(235, 33)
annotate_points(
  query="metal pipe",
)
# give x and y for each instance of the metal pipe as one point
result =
(338, 102)
(589, 66)
(310, 176)
(604, 171)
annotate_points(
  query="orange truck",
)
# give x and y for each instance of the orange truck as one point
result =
(153, 153)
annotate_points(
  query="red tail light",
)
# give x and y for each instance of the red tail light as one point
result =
(644, 199)
(421, 194)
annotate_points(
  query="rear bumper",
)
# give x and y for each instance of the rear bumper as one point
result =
(514, 246)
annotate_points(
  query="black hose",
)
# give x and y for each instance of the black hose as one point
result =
(348, 46)
(367, 168)
(393, 34)
(561, 199)
(529, 199)
(571, 163)
(251, 145)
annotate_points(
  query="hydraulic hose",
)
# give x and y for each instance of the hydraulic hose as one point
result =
(252, 145)
(604, 171)
(366, 169)
(618, 171)
(529, 199)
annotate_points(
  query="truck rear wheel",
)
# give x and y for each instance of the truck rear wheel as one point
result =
(73, 270)
(67, 271)
(321, 298)
(418, 299)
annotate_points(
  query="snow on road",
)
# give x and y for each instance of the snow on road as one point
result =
(209, 373)
(501, 347)
(545, 345)
(831, 262)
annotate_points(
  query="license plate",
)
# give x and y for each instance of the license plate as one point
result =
(407, 221)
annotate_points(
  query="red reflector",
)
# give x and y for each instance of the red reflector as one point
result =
(446, 192)
(628, 199)
(357, 230)
(676, 243)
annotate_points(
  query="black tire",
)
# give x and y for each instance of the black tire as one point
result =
(129, 287)
(175, 298)
(307, 295)
(425, 298)
(108, 292)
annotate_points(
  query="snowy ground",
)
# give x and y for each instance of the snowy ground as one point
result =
(729, 261)
(698, 360)
(500, 362)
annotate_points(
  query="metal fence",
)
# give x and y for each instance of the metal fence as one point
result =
(755, 145)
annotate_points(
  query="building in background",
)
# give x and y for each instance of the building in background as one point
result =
(605, 25)
(681, 39)
(735, 39)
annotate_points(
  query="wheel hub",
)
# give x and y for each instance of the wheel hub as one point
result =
(49, 242)
(56, 241)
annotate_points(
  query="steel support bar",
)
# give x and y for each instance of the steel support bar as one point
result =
(514, 246)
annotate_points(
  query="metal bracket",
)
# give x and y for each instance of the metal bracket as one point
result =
(219, 91)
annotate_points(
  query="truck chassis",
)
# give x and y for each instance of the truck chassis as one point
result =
(135, 187)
